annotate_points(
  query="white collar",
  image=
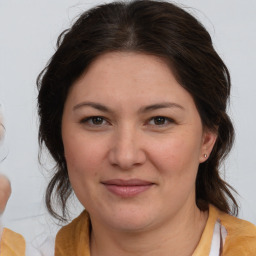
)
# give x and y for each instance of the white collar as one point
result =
(218, 239)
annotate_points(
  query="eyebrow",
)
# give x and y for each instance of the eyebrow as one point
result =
(159, 106)
(93, 105)
(143, 109)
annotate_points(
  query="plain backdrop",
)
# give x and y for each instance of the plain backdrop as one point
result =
(28, 33)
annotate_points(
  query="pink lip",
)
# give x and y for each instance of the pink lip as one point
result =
(127, 188)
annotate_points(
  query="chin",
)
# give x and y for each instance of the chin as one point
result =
(132, 226)
(131, 220)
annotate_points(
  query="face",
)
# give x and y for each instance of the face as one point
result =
(133, 141)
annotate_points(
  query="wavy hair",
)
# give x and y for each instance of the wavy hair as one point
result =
(158, 28)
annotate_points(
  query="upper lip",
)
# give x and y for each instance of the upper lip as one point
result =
(130, 182)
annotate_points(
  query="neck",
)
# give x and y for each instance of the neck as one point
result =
(178, 237)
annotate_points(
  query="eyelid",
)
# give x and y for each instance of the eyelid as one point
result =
(168, 119)
(89, 118)
(105, 122)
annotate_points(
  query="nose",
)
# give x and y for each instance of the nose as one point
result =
(127, 149)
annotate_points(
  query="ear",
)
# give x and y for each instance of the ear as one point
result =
(208, 141)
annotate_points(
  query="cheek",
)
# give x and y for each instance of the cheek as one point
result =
(84, 163)
(177, 163)
(83, 157)
(177, 156)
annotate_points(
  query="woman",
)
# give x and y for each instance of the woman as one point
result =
(132, 108)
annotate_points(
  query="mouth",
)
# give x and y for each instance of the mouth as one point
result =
(127, 188)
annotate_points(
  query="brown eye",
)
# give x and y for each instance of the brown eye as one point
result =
(97, 120)
(94, 121)
(159, 120)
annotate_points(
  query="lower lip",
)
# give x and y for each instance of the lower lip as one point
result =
(127, 191)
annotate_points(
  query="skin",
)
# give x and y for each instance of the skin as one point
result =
(5, 186)
(128, 92)
(5, 192)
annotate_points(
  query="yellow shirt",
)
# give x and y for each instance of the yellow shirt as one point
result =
(73, 239)
(12, 244)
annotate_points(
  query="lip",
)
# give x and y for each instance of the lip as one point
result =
(127, 188)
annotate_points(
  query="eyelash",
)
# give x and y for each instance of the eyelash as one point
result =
(91, 119)
(165, 119)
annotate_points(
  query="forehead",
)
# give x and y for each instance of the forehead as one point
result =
(127, 82)
(128, 73)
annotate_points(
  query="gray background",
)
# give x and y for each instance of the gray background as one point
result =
(28, 32)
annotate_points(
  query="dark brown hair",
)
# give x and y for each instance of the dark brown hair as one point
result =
(152, 27)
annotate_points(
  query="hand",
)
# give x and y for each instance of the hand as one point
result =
(5, 192)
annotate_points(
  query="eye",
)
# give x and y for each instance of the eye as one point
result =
(94, 121)
(160, 121)
(97, 120)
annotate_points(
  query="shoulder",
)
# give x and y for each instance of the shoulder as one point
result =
(241, 235)
(76, 226)
(70, 236)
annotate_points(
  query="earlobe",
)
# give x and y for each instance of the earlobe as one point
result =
(208, 142)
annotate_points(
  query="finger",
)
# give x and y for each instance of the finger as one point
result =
(5, 192)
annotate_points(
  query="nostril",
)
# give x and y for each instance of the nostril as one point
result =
(125, 159)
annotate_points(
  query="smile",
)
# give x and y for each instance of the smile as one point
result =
(127, 188)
